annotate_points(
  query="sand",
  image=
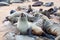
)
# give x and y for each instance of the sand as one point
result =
(4, 11)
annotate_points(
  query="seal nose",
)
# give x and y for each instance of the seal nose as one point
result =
(22, 14)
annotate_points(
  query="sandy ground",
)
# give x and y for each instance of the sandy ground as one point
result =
(4, 11)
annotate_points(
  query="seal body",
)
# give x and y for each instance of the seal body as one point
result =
(22, 24)
(52, 27)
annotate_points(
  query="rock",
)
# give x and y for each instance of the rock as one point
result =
(35, 0)
(49, 4)
(57, 38)
(10, 27)
(6, 1)
(4, 4)
(12, 36)
(21, 37)
(42, 38)
(57, 14)
(36, 4)
(17, 1)
(9, 36)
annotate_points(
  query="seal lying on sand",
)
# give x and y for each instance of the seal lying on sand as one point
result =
(23, 25)
(52, 27)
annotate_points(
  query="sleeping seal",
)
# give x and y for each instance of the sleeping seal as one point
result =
(52, 27)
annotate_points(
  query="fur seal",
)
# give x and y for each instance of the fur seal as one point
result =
(52, 27)
(23, 25)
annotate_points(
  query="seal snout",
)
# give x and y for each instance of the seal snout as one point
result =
(23, 15)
